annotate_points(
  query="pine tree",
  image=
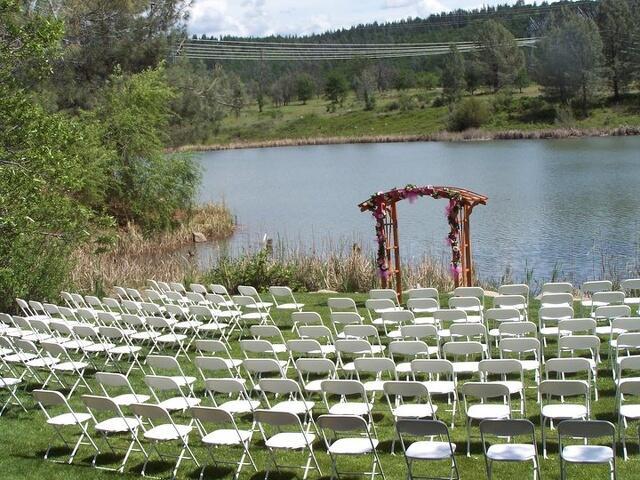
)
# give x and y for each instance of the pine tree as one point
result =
(453, 75)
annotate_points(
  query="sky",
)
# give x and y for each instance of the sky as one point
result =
(302, 17)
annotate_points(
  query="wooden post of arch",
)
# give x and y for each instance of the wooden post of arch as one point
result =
(465, 248)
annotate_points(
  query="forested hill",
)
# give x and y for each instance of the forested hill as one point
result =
(522, 19)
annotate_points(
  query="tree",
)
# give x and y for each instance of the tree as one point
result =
(427, 80)
(615, 21)
(238, 95)
(522, 80)
(404, 80)
(499, 56)
(473, 76)
(335, 90)
(366, 87)
(453, 75)
(569, 58)
(305, 87)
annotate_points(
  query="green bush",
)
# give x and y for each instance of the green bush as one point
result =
(468, 113)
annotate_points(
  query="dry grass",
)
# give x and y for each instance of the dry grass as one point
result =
(134, 257)
(443, 136)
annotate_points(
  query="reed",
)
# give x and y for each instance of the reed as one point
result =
(443, 136)
(134, 257)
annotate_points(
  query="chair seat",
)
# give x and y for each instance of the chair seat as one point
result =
(440, 387)
(77, 344)
(117, 425)
(9, 382)
(530, 365)
(261, 305)
(514, 386)
(167, 432)
(127, 399)
(349, 408)
(37, 337)
(632, 301)
(424, 450)
(66, 419)
(232, 362)
(240, 406)
(142, 336)
(42, 362)
(98, 347)
(171, 338)
(353, 446)
(299, 407)
(314, 386)
(254, 316)
(511, 452)
(125, 350)
(549, 331)
(564, 411)
(179, 403)
(488, 410)
(70, 366)
(414, 410)
(20, 357)
(587, 454)
(290, 440)
(465, 367)
(424, 320)
(630, 411)
(374, 386)
(213, 327)
(226, 437)
(290, 306)
(603, 330)
(183, 381)
(188, 325)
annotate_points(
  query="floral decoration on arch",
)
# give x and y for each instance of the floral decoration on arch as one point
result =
(379, 202)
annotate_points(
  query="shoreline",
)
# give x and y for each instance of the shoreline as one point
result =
(442, 136)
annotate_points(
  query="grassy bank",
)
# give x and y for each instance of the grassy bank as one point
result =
(24, 435)
(134, 257)
(416, 115)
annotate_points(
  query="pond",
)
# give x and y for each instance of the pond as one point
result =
(554, 205)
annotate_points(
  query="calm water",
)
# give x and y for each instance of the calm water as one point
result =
(568, 203)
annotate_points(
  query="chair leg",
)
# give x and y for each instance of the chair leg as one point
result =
(468, 437)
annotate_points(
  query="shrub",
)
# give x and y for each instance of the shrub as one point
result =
(468, 113)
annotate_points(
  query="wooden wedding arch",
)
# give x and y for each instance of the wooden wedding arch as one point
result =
(383, 206)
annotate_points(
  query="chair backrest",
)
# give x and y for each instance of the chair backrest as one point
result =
(555, 313)
(198, 288)
(306, 318)
(484, 390)
(507, 428)
(343, 387)
(572, 343)
(388, 293)
(279, 386)
(276, 418)
(315, 332)
(399, 317)
(362, 331)
(477, 292)
(625, 324)
(462, 348)
(159, 383)
(49, 398)
(346, 318)
(564, 388)
(353, 346)
(375, 365)
(568, 365)
(306, 345)
(406, 389)
(612, 311)
(408, 348)
(556, 299)
(587, 429)
(418, 331)
(101, 404)
(152, 412)
(212, 364)
(517, 329)
(631, 362)
(114, 380)
(212, 415)
(224, 385)
(628, 341)
(257, 346)
(465, 303)
(514, 289)
(315, 365)
(608, 298)
(283, 292)
(378, 305)
(422, 428)
(337, 304)
(468, 331)
(219, 289)
(268, 331)
(630, 286)
(343, 423)
(557, 287)
(433, 366)
(570, 326)
(500, 366)
(502, 315)
(262, 365)
(211, 346)
(506, 301)
(249, 291)
(416, 293)
(520, 346)
(449, 315)
(423, 305)
(591, 287)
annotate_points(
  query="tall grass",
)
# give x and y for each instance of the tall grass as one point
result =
(135, 257)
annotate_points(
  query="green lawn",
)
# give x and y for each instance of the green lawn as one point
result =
(296, 121)
(23, 436)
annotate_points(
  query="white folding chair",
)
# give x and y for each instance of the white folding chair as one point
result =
(470, 305)
(444, 318)
(631, 289)
(249, 291)
(283, 431)
(219, 349)
(496, 317)
(515, 289)
(516, 302)
(477, 292)
(168, 337)
(510, 451)
(510, 374)
(423, 309)
(440, 379)
(342, 304)
(470, 352)
(426, 450)
(287, 397)
(416, 293)
(384, 293)
(346, 390)
(230, 435)
(123, 349)
(65, 366)
(404, 351)
(159, 428)
(108, 422)
(578, 345)
(628, 408)
(560, 410)
(118, 388)
(398, 394)
(321, 334)
(382, 370)
(606, 313)
(312, 372)
(484, 392)
(363, 444)
(527, 350)
(586, 454)
(65, 421)
(169, 366)
(168, 394)
(557, 287)
(548, 318)
(339, 320)
(588, 289)
(9, 382)
(291, 304)
(230, 395)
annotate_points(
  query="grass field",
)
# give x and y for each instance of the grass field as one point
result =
(406, 113)
(24, 436)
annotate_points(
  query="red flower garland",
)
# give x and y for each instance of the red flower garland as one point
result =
(379, 202)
